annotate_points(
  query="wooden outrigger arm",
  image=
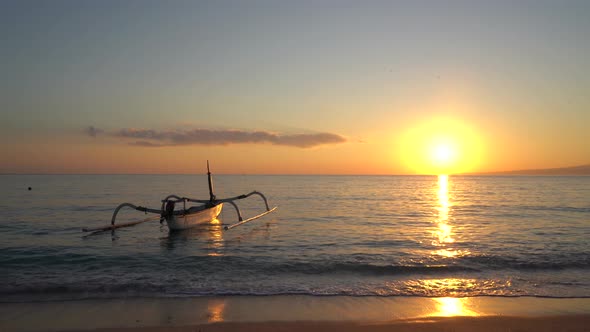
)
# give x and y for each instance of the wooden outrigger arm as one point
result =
(128, 224)
(241, 222)
(113, 227)
(231, 201)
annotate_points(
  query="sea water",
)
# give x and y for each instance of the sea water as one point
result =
(433, 236)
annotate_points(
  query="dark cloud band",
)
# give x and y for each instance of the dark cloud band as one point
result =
(154, 138)
(93, 131)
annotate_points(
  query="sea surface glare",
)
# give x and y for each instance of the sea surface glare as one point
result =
(332, 235)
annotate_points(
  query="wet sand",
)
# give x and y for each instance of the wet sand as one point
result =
(452, 324)
(296, 313)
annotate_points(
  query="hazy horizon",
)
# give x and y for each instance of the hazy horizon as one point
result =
(571, 170)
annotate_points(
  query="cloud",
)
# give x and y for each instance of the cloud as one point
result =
(150, 137)
(93, 131)
(146, 143)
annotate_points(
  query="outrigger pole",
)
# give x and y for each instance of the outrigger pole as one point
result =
(113, 227)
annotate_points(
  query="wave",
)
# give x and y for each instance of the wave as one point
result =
(34, 260)
(78, 276)
(342, 268)
(557, 208)
(40, 293)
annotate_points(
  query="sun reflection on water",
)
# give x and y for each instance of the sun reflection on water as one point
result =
(453, 306)
(215, 310)
(444, 231)
(215, 238)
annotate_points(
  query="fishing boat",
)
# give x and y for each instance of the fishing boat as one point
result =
(188, 217)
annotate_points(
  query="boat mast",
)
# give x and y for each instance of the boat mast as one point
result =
(211, 196)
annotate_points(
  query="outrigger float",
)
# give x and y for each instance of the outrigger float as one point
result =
(185, 218)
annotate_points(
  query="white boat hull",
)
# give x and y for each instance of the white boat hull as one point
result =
(180, 222)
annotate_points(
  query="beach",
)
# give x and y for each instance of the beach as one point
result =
(296, 313)
(461, 324)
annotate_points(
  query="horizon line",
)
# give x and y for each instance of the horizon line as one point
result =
(504, 173)
(539, 171)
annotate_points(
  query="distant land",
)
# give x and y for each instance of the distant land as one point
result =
(574, 170)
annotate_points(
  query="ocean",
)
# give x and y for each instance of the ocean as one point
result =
(416, 236)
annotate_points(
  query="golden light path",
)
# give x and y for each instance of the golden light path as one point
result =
(215, 238)
(453, 306)
(443, 238)
(215, 310)
(443, 232)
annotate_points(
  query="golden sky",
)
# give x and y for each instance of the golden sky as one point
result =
(294, 88)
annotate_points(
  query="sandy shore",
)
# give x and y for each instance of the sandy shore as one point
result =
(294, 313)
(449, 324)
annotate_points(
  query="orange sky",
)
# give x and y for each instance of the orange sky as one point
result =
(301, 88)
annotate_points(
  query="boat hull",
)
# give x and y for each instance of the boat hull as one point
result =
(186, 221)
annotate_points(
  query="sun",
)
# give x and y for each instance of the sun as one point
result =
(440, 146)
(443, 154)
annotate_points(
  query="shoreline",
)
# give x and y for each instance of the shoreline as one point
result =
(444, 324)
(293, 312)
